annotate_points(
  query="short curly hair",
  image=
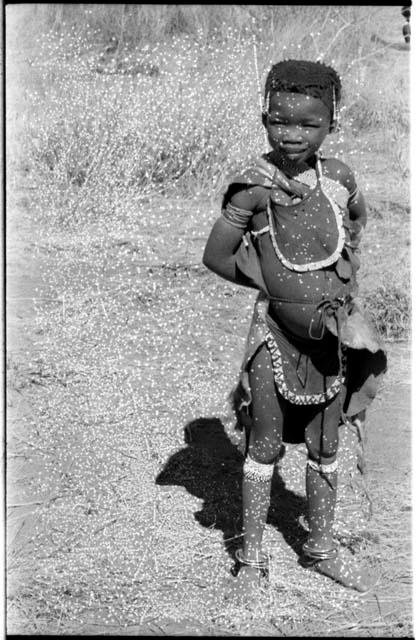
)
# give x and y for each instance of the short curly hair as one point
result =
(314, 79)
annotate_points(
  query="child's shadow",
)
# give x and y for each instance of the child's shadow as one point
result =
(211, 468)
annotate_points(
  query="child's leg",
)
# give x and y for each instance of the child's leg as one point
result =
(321, 437)
(264, 447)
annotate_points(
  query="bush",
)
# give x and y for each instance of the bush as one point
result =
(390, 309)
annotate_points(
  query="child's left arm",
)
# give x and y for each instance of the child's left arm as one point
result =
(356, 206)
(358, 217)
(356, 203)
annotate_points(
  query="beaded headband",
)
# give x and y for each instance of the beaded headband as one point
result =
(335, 125)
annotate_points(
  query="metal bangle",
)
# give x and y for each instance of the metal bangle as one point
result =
(324, 554)
(257, 564)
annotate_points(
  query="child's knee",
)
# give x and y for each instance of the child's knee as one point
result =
(322, 434)
(322, 449)
(265, 452)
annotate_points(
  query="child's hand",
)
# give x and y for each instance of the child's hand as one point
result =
(355, 233)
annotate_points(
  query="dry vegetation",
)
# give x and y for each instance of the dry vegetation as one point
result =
(124, 476)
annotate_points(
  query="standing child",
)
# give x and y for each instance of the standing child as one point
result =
(290, 227)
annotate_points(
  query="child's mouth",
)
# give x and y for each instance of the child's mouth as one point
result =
(292, 152)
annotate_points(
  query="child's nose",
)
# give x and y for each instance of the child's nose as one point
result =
(292, 134)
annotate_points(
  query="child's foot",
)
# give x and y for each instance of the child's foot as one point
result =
(249, 576)
(345, 572)
(243, 587)
(342, 570)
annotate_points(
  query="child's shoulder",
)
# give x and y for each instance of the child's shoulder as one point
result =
(246, 197)
(249, 189)
(258, 172)
(338, 171)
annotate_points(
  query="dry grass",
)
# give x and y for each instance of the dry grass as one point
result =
(124, 483)
(165, 118)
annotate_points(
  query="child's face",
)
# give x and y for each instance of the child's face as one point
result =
(296, 125)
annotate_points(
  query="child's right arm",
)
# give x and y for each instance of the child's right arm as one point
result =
(226, 235)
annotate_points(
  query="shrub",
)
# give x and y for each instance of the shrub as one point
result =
(390, 309)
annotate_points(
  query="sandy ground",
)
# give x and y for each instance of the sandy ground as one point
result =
(387, 449)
